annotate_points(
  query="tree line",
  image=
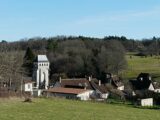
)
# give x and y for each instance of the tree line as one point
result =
(73, 56)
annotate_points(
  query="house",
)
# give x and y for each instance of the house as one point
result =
(27, 86)
(156, 87)
(99, 90)
(70, 93)
(144, 82)
(115, 81)
(79, 83)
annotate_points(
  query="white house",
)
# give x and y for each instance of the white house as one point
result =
(28, 86)
(155, 86)
(70, 93)
(41, 72)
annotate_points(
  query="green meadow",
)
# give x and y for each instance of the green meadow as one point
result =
(138, 64)
(61, 109)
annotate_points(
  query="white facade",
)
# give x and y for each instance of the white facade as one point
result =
(27, 87)
(41, 72)
(157, 90)
(147, 102)
(37, 92)
(151, 87)
(121, 88)
(104, 95)
(85, 95)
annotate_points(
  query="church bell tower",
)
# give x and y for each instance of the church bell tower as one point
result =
(41, 72)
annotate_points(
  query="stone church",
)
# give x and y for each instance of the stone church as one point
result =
(41, 72)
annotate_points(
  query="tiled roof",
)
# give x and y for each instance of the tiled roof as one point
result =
(28, 81)
(117, 81)
(76, 83)
(156, 85)
(66, 90)
(102, 88)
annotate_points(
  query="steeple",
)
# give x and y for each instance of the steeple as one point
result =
(41, 72)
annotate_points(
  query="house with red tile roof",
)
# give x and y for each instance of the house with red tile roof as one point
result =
(70, 93)
(99, 91)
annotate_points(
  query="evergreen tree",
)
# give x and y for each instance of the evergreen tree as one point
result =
(28, 61)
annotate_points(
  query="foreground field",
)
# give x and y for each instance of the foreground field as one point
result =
(138, 64)
(59, 109)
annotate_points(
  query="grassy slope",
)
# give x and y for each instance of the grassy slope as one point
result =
(137, 65)
(59, 109)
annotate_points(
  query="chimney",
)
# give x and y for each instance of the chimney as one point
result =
(90, 78)
(99, 82)
(60, 79)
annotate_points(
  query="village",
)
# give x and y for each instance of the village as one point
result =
(141, 91)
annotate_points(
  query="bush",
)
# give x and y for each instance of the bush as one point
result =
(28, 100)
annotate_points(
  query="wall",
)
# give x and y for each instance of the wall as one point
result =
(121, 88)
(26, 88)
(104, 95)
(147, 102)
(68, 96)
(85, 95)
(151, 87)
(41, 73)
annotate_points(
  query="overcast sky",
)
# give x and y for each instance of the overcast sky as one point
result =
(96, 18)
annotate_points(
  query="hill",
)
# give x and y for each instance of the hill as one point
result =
(137, 64)
(60, 109)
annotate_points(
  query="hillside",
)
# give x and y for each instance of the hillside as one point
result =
(138, 64)
(59, 109)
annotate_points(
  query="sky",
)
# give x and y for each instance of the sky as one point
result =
(21, 19)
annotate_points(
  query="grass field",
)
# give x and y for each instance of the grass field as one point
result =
(138, 64)
(60, 109)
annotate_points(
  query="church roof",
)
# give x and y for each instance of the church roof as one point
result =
(41, 58)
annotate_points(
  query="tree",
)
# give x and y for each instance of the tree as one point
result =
(28, 61)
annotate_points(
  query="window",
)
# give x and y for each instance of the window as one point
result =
(29, 86)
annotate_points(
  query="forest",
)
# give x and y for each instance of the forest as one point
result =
(72, 56)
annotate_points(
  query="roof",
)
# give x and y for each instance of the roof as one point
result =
(76, 83)
(66, 90)
(102, 88)
(156, 85)
(28, 81)
(41, 58)
(142, 82)
(116, 81)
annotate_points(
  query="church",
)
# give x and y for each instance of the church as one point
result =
(40, 77)
(41, 72)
